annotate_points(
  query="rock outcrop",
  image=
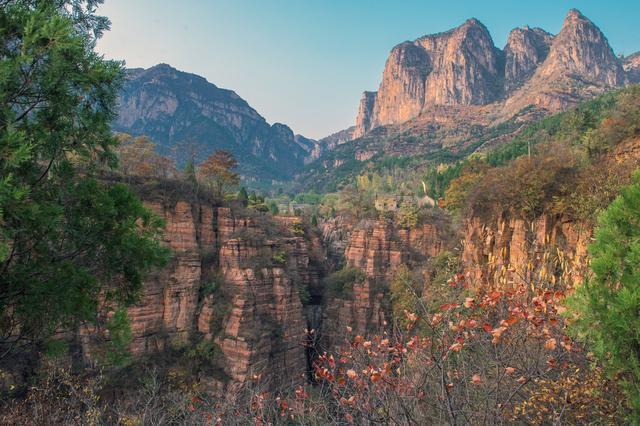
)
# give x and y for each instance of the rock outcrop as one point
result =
(378, 249)
(631, 65)
(234, 280)
(365, 113)
(174, 107)
(510, 251)
(458, 67)
(462, 67)
(580, 64)
(526, 49)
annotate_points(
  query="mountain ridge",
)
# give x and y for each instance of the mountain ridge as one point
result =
(177, 108)
(462, 66)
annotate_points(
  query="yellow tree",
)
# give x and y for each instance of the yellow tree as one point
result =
(218, 172)
(138, 157)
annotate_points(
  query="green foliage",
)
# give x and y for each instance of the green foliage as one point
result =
(408, 216)
(443, 267)
(56, 348)
(209, 287)
(119, 330)
(280, 257)
(297, 228)
(243, 197)
(607, 306)
(189, 171)
(64, 235)
(303, 293)
(438, 178)
(340, 283)
(308, 198)
(203, 351)
(273, 208)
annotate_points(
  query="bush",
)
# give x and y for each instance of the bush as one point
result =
(340, 283)
(408, 216)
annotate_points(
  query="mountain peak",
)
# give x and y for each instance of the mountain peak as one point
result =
(174, 107)
(574, 14)
(473, 22)
(581, 49)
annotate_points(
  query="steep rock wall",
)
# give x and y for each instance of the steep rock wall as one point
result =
(262, 330)
(378, 250)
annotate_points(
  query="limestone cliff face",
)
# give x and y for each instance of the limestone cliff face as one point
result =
(458, 67)
(462, 67)
(526, 49)
(255, 315)
(631, 65)
(580, 64)
(581, 49)
(365, 113)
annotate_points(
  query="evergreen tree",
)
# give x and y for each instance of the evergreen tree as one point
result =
(66, 239)
(189, 171)
(606, 307)
(273, 208)
(243, 197)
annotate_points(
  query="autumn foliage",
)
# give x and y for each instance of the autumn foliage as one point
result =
(483, 357)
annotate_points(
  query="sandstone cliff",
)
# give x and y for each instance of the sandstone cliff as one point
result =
(508, 251)
(233, 279)
(378, 249)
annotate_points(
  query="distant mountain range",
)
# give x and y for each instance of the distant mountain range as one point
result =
(463, 67)
(446, 95)
(183, 112)
(443, 91)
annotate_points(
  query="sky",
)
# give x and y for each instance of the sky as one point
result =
(305, 63)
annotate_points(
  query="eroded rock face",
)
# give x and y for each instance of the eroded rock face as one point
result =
(365, 113)
(631, 65)
(581, 49)
(377, 249)
(458, 67)
(508, 251)
(266, 329)
(526, 49)
(262, 328)
(462, 67)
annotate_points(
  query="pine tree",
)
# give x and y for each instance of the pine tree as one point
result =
(243, 196)
(66, 238)
(606, 308)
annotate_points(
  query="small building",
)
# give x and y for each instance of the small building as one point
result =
(387, 203)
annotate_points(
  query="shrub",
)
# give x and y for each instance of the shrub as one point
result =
(340, 283)
(408, 216)
(119, 329)
(280, 257)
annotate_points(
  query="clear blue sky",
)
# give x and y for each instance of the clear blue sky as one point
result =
(305, 63)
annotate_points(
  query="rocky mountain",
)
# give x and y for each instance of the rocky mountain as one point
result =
(463, 67)
(180, 111)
